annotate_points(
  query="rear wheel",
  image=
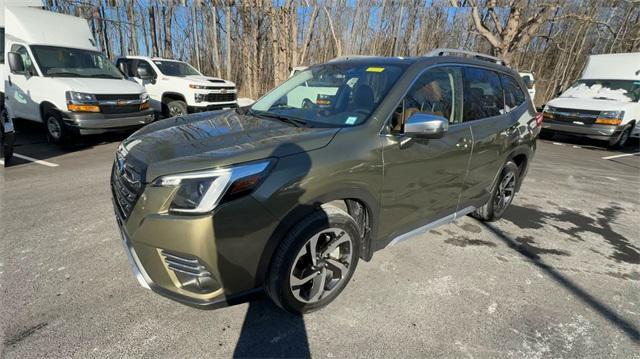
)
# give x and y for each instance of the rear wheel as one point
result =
(501, 195)
(315, 261)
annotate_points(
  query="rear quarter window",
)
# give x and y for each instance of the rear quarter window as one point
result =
(483, 94)
(513, 94)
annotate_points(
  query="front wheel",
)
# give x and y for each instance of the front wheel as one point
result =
(624, 137)
(501, 195)
(57, 132)
(315, 261)
(176, 108)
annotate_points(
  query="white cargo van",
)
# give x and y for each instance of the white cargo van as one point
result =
(176, 88)
(58, 77)
(530, 81)
(7, 133)
(604, 104)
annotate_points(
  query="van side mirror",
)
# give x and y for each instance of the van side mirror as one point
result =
(15, 62)
(124, 68)
(423, 125)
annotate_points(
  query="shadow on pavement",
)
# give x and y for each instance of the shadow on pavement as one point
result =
(609, 314)
(269, 332)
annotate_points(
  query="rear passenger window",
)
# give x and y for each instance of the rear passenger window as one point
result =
(483, 95)
(513, 94)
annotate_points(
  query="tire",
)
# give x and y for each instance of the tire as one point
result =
(176, 108)
(292, 260)
(623, 138)
(57, 131)
(493, 210)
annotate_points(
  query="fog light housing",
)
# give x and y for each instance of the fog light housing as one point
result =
(190, 273)
(199, 97)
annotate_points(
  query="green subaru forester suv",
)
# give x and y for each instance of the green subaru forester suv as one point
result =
(342, 160)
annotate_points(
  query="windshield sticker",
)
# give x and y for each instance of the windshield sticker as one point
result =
(351, 120)
(375, 69)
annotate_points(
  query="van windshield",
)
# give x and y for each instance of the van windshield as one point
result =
(330, 95)
(176, 68)
(616, 90)
(68, 62)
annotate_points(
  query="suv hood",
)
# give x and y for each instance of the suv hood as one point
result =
(213, 139)
(99, 86)
(589, 104)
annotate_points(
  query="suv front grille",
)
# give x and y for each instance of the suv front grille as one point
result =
(220, 97)
(126, 188)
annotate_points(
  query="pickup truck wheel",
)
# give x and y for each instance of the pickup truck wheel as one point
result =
(57, 132)
(501, 195)
(315, 261)
(624, 137)
(176, 108)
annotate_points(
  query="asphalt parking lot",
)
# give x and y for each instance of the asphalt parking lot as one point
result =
(558, 277)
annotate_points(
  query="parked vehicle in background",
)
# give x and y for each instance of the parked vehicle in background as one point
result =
(288, 195)
(530, 82)
(59, 78)
(176, 88)
(7, 131)
(604, 104)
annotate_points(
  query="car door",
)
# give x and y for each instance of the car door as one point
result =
(492, 126)
(423, 178)
(20, 86)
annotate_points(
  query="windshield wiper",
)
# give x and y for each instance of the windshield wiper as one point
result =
(297, 122)
(106, 76)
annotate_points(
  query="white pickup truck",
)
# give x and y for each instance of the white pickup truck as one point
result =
(176, 88)
(604, 104)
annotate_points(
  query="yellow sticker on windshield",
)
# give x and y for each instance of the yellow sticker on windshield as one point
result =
(375, 69)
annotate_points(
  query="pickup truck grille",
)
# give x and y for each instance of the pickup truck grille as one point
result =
(126, 188)
(220, 97)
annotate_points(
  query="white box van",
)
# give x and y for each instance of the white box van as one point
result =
(604, 104)
(58, 77)
(176, 88)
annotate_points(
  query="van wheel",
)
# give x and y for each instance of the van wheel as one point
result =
(624, 137)
(176, 108)
(57, 132)
(315, 261)
(501, 195)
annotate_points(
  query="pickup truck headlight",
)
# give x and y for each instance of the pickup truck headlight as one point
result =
(199, 87)
(200, 192)
(610, 118)
(81, 102)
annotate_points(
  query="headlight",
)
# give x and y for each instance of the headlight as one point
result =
(198, 87)
(81, 102)
(202, 191)
(80, 97)
(610, 118)
(144, 97)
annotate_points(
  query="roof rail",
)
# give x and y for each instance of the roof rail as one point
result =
(477, 55)
(349, 57)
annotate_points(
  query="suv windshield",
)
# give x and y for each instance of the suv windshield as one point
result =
(330, 95)
(176, 68)
(68, 62)
(617, 90)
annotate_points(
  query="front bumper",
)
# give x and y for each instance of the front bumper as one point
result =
(596, 132)
(95, 123)
(204, 107)
(222, 243)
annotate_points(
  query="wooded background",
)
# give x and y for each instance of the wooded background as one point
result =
(256, 43)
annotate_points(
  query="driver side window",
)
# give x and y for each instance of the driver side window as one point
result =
(435, 92)
(26, 59)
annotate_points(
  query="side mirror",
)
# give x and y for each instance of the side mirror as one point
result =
(422, 125)
(143, 73)
(124, 68)
(15, 62)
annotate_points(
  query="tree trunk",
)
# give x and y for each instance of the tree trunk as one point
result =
(168, 22)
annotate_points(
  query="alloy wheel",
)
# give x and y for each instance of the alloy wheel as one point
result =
(322, 265)
(506, 190)
(175, 111)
